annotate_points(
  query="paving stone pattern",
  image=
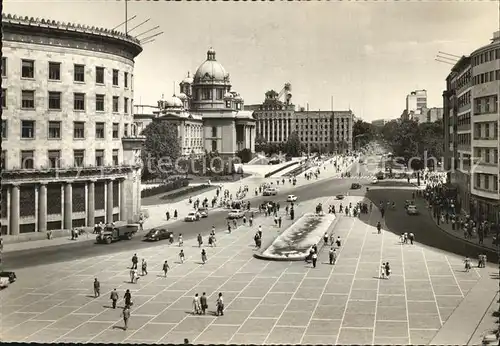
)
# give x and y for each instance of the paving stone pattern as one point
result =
(266, 302)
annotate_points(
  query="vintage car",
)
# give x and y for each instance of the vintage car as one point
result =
(11, 276)
(412, 210)
(192, 216)
(115, 233)
(235, 214)
(374, 180)
(157, 234)
(203, 212)
(291, 198)
(355, 186)
(340, 197)
(270, 192)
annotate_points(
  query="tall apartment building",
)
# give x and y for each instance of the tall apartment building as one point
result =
(471, 115)
(69, 145)
(325, 131)
(416, 101)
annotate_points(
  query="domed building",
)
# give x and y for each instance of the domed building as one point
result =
(209, 115)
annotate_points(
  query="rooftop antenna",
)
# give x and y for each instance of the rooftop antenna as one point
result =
(125, 22)
(126, 16)
(150, 37)
(453, 55)
(145, 32)
(138, 25)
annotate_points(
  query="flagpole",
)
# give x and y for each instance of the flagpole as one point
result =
(126, 18)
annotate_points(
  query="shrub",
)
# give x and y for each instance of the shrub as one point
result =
(170, 186)
(280, 169)
(185, 192)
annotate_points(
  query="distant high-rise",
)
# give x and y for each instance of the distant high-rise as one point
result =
(416, 101)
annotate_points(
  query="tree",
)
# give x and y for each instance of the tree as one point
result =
(292, 146)
(161, 149)
(362, 133)
(261, 144)
(245, 155)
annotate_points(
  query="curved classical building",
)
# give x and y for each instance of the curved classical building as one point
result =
(69, 153)
(209, 116)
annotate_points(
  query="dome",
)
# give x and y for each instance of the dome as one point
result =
(173, 102)
(211, 69)
(238, 98)
(228, 95)
(188, 79)
(182, 96)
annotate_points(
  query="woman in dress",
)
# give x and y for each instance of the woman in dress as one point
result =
(203, 256)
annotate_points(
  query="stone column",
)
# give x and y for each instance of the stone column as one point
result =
(42, 207)
(123, 202)
(14, 210)
(91, 203)
(109, 208)
(68, 206)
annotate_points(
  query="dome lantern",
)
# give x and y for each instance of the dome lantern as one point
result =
(211, 54)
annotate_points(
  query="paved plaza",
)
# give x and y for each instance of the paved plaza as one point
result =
(265, 302)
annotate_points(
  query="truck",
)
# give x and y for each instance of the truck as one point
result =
(115, 233)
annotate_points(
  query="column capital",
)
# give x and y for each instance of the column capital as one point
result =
(44, 183)
(92, 181)
(15, 184)
(110, 179)
(68, 182)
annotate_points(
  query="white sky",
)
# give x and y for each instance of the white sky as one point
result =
(367, 55)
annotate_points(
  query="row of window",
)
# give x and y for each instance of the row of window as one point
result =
(486, 130)
(463, 119)
(464, 100)
(488, 56)
(54, 130)
(79, 73)
(464, 79)
(486, 77)
(486, 155)
(486, 105)
(54, 159)
(79, 101)
(464, 139)
(483, 181)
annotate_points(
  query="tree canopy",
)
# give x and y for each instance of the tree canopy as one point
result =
(161, 149)
(293, 146)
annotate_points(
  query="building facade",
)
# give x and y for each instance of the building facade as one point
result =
(379, 122)
(471, 116)
(209, 116)
(69, 146)
(325, 131)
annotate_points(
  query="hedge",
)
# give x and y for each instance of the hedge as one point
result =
(190, 190)
(170, 186)
(280, 169)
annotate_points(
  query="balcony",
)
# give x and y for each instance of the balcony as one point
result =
(133, 142)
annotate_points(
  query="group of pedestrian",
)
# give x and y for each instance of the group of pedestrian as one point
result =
(385, 271)
(200, 304)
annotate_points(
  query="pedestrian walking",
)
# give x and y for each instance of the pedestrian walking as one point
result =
(182, 256)
(200, 240)
(203, 303)
(126, 316)
(325, 238)
(203, 256)
(379, 228)
(144, 267)
(333, 256)
(166, 267)
(196, 305)
(134, 261)
(338, 242)
(97, 288)
(181, 241)
(280, 220)
(467, 264)
(387, 270)
(114, 298)
(411, 236)
(220, 305)
(128, 298)
(314, 259)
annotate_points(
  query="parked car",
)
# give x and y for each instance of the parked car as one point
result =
(270, 192)
(157, 234)
(192, 216)
(412, 210)
(235, 214)
(11, 276)
(116, 233)
(355, 186)
(291, 198)
(203, 212)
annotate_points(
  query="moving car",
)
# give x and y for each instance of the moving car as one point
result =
(192, 216)
(339, 197)
(157, 234)
(374, 180)
(355, 186)
(270, 192)
(11, 276)
(235, 214)
(380, 176)
(203, 212)
(412, 210)
(4, 283)
(291, 198)
(274, 161)
(116, 233)
(408, 203)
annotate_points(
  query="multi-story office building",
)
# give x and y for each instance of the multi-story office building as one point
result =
(471, 126)
(325, 131)
(274, 118)
(69, 146)
(416, 102)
